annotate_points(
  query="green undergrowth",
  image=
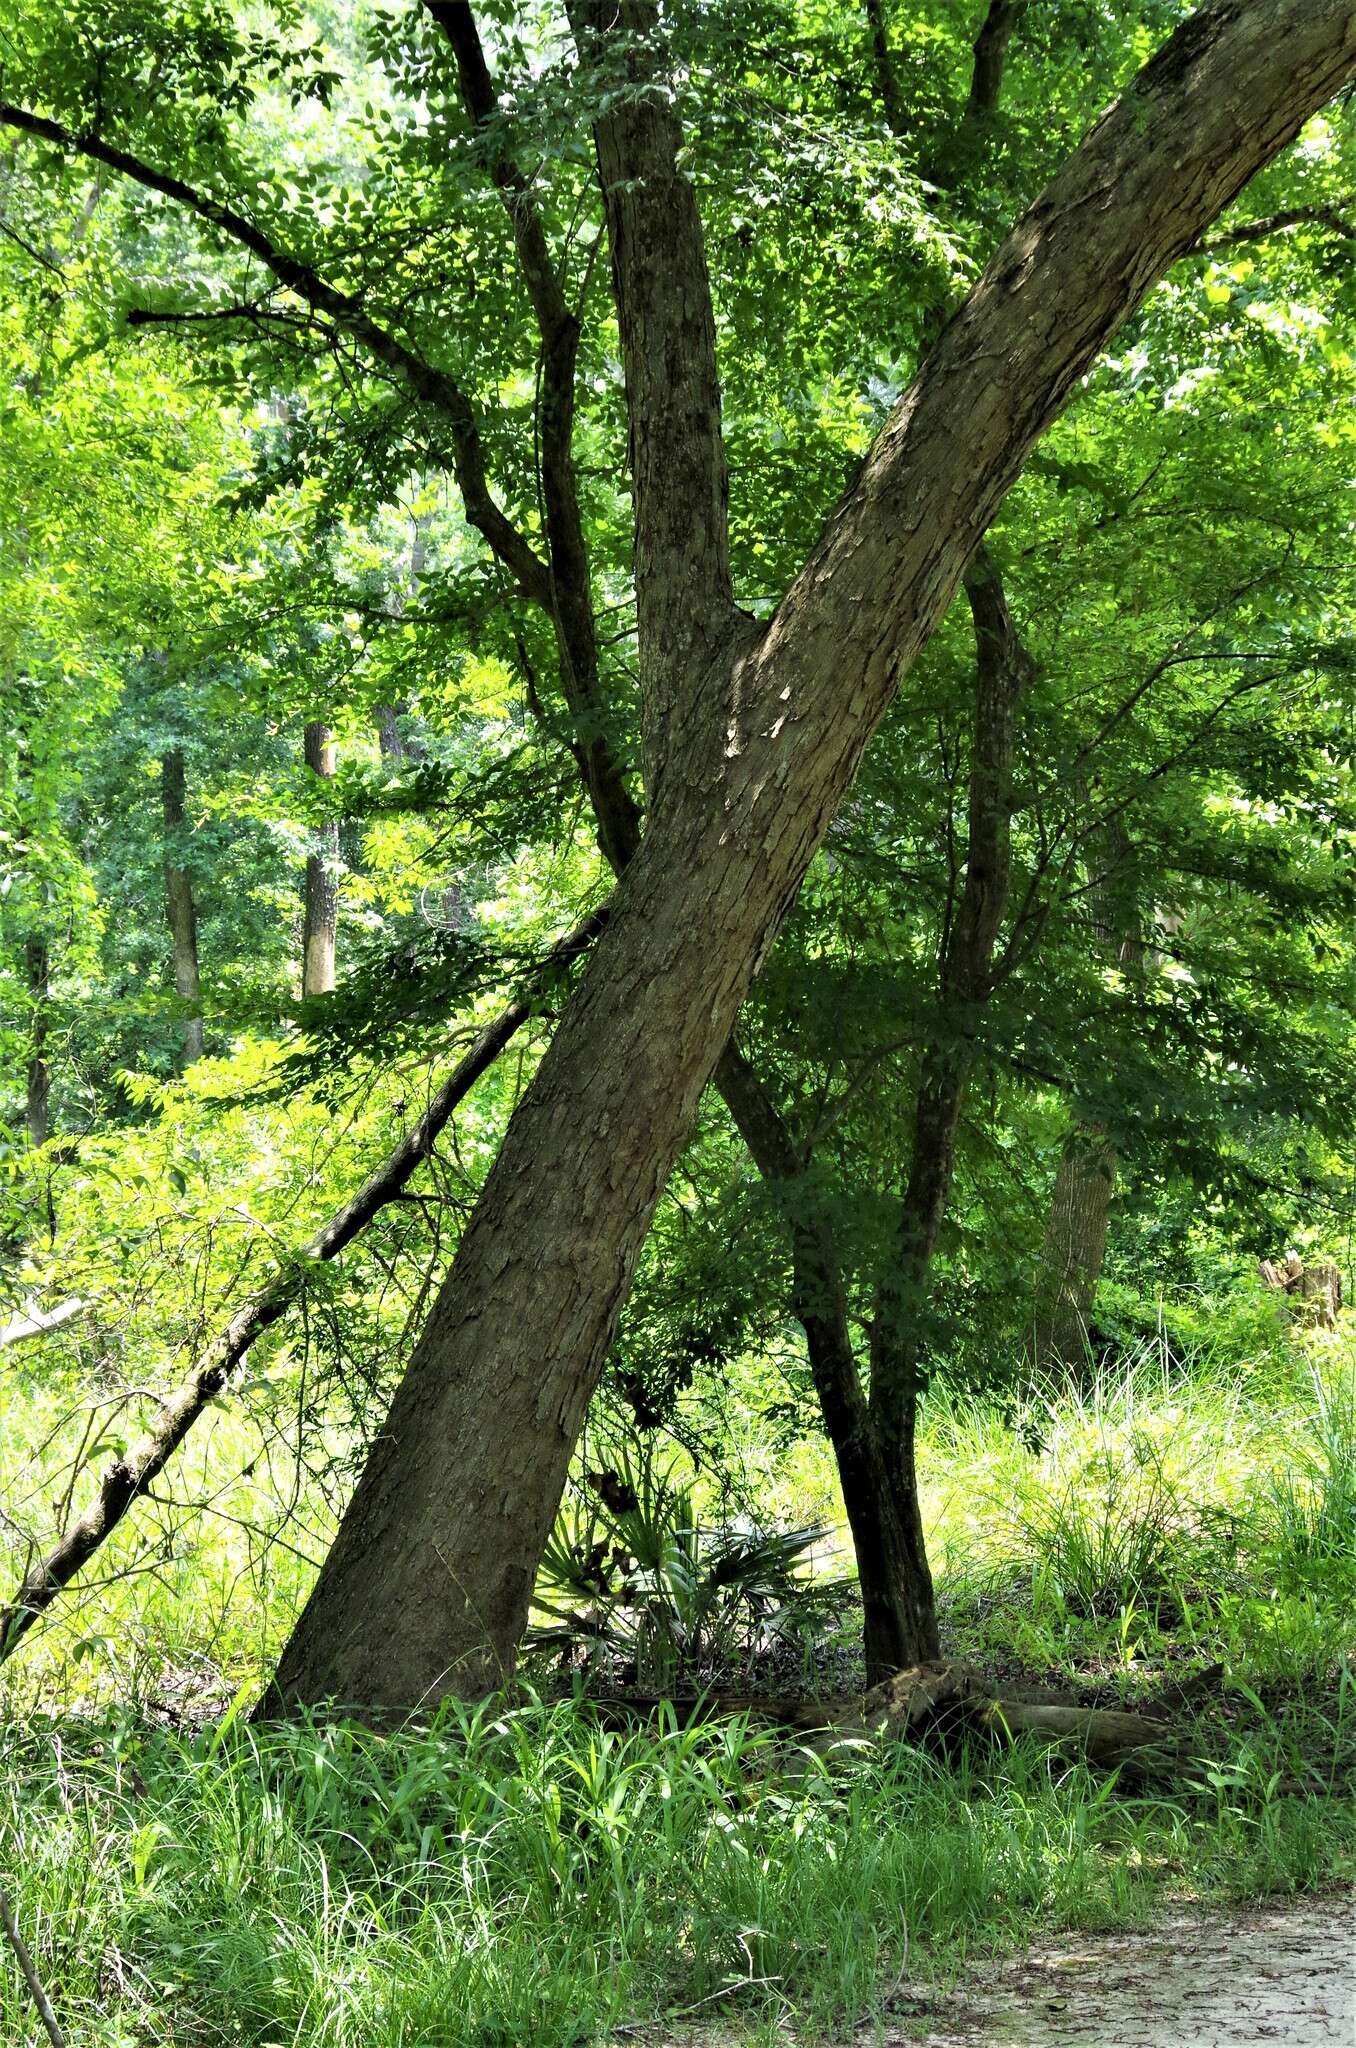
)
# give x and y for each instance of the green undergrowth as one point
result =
(521, 1874)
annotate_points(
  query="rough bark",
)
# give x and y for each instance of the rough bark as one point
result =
(129, 1476)
(37, 961)
(180, 911)
(322, 878)
(685, 609)
(445, 1528)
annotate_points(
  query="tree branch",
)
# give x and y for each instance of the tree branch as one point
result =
(434, 386)
(129, 1477)
(1327, 217)
(615, 810)
(887, 79)
(991, 54)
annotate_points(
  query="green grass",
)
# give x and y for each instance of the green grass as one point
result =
(521, 1874)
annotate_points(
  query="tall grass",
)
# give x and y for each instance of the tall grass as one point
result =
(522, 1874)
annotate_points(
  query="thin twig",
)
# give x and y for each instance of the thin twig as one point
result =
(40, 1998)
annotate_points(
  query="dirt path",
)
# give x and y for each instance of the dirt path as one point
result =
(1284, 1974)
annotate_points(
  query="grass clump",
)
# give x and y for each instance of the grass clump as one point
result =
(520, 1872)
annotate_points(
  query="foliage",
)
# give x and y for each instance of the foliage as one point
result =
(637, 1590)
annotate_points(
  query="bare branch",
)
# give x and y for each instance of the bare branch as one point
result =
(1327, 217)
(130, 1475)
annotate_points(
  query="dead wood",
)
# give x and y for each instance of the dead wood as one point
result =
(1314, 1292)
(936, 1705)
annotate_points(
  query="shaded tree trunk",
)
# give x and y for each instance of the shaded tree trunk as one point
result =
(752, 737)
(879, 1496)
(179, 906)
(1085, 1180)
(322, 878)
(37, 960)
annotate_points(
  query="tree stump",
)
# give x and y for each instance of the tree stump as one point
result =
(1314, 1292)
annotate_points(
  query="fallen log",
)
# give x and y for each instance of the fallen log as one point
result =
(935, 1705)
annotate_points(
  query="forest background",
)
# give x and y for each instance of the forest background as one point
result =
(320, 413)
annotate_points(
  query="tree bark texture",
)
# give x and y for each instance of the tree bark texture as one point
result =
(1075, 1246)
(428, 1584)
(322, 878)
(180, 911)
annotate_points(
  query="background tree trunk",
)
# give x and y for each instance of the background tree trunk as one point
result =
(1075, 1244)
(1085, 1180)
(37, 959)
(179, 907)
(322, 878)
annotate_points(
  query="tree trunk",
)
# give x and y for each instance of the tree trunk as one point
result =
(1075, 1244)
(1085, 1181)
(879, 1495)
(389, 738)
(179, 907)
(322, 878)
(38, 962)
(427, 1586)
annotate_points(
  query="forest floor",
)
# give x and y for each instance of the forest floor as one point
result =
(1204, 1978)
(1284, 1973)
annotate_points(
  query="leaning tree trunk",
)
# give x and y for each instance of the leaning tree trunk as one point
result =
(37, 960)
(322, 878)
(427, 1587)
(179, 907)
(1075, 1245)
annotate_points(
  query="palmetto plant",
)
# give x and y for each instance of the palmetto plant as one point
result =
(633, 1586)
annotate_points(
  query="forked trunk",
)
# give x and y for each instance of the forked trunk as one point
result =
(426, 1589)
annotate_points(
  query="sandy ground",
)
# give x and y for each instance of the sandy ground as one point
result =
(1283, 1973)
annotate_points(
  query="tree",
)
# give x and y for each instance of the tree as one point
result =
(443, 1533)
(749, 741)
(320, 924)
